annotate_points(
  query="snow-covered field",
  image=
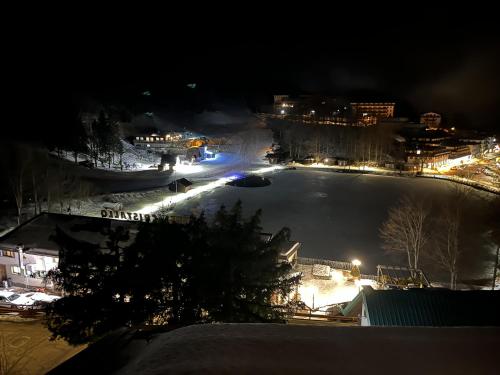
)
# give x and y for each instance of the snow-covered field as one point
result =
(320, 293)
(335, 216)
(133, 159)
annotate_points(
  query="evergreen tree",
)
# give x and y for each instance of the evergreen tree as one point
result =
(172, 274)
(77, 140)
(88, 275)
(249, 277)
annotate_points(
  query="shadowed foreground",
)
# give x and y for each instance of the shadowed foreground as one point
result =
(273, 348)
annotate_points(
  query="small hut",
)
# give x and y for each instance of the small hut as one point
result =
(181, 185)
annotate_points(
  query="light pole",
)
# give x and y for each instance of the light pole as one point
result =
(495, 270)
(355, 272)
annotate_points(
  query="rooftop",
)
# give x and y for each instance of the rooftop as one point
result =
(37, 235)
(432, 307)
(291, 349)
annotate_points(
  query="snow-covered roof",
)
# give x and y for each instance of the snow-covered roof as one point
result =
(291, 349)
(37, 234)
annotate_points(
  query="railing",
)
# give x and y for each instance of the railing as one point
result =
(464, 181)
(339, 265)
(330, 318)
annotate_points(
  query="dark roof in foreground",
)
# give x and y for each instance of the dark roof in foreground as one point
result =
(432, 307)
(36, 235)
(289, 349)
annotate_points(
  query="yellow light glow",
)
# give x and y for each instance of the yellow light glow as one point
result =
(267, 169)
(188, 168)
(173, 199)
(356, 263)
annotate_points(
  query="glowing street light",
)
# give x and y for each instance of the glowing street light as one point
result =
(355, 272)
(282, 111)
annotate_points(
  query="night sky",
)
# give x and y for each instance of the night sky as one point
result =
(423, 59)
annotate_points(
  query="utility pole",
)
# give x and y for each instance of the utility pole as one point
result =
(495, 270)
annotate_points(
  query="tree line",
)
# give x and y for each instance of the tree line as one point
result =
(36, 182)
(171, 274)
(100, 140)
(372, 144)
(439, 231)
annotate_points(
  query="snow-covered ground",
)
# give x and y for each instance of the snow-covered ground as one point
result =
(319, 293)
(133, 159)
(335, 216)
(206, 176)
(291, 349)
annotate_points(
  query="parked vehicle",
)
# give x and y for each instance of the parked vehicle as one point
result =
(8, 298)
(38, 296)
(6, 293)
(4, 302)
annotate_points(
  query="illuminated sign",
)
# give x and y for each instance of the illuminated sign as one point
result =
(130, 216)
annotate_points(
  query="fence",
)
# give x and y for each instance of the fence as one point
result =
(464, 181)
(338, 265)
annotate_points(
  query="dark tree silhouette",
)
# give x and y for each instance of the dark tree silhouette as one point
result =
(171, 274)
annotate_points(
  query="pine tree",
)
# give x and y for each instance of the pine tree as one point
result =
(77, 140)
(171, 274)
(249, 277)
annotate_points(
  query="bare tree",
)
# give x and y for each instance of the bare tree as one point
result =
(493, 223)
(447, 249)
(17, 162)
(38, 167)
(406, 229)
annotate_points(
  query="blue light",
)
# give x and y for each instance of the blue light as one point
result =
(235, 176)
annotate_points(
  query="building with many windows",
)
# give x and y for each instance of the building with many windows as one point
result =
(377, 110)
(431, 120)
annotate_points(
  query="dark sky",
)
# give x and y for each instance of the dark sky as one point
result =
(425, 60)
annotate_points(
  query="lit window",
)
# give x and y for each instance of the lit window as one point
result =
(7, 253)
(15, 270)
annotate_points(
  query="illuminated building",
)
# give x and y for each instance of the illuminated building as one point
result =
(428, 158)
(158, 141)
(431, 120)
(372, 111)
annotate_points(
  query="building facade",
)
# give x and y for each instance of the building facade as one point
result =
(431, 120)
(377, 110)
(159, 142)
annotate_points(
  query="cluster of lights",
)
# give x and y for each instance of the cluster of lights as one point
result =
(174, 199)
(184, 196)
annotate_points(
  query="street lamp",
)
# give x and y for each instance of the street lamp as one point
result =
(355, 272)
